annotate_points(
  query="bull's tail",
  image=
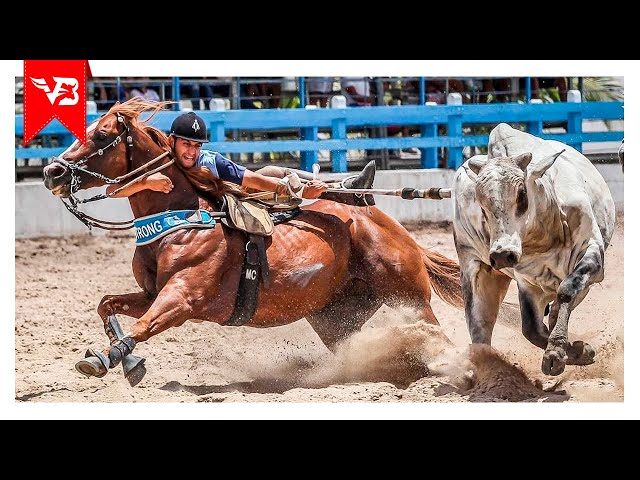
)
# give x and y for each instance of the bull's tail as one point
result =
(444, 274)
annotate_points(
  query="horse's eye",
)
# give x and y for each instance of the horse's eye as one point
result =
(101, 139)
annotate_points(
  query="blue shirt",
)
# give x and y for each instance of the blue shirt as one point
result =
(221, 167)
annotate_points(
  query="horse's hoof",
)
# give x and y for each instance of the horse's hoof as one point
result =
(136, 374)
(553, 362)
(580, 353)
(92, 366)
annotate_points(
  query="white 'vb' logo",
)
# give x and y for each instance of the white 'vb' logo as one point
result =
(64, 93)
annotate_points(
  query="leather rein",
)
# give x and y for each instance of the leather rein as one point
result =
(78, 167)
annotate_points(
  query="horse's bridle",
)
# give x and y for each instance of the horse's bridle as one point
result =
(76, 167)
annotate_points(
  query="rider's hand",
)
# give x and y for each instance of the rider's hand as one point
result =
(313, 189)
(159, 183)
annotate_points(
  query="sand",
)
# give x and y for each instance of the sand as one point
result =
(393, 359)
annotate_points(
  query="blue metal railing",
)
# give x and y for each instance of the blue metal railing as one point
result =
(340, 119)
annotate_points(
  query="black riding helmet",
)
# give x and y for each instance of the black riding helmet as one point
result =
(190, 127)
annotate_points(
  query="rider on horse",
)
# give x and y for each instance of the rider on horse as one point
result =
(189, 132)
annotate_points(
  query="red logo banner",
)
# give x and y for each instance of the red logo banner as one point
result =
(55, 89)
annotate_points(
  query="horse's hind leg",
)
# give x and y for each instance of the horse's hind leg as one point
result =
(345, 315)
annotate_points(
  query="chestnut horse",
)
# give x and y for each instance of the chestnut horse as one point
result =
(333, 264)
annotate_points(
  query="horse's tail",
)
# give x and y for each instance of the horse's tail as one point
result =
(444, 274)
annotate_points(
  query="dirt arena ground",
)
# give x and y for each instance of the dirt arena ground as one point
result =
(59, 282)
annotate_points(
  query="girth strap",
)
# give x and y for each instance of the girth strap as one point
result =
(255, 266)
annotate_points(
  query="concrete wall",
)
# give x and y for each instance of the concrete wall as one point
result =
(612, 174)
(39, 213)
(418, 210)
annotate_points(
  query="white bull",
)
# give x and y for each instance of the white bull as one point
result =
(538, 212)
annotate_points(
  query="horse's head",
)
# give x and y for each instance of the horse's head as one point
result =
(107, 153)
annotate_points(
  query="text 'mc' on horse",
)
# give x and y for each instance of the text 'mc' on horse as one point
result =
(333, 264)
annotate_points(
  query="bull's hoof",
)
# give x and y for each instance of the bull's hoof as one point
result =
(580, 353)
(92, 365)
(554, 361)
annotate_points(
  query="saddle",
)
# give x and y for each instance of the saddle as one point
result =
(256, 220)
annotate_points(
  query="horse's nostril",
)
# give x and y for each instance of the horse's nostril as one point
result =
(54, 170)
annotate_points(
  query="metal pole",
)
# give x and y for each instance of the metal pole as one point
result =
(176, 93)
(422, 91)
(581, 86)
(527, 89)
(301, 92)
(407, 193)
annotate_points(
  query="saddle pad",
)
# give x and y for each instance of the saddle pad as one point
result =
(248, 216)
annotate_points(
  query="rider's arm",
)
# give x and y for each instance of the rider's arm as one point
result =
(157, 182)
(311, 189)
(260, 182)
(232, 172)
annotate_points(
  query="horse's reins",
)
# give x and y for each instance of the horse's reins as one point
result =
(72, 206)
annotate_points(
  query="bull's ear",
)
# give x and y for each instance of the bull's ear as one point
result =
(523, 160)
(477, 162)
(536, 170)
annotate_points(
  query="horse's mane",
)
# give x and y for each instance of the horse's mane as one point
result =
(208, 186)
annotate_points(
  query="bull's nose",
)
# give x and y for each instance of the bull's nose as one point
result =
(503, 259)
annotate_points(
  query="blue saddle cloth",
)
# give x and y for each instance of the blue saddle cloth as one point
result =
(153, 227)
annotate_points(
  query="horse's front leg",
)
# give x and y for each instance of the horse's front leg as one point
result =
(131, 304)
(171, 308)
(96, 363)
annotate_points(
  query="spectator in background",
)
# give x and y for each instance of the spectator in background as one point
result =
(251, 95)
(144, 92)
(289, 97)
(549, 83)
(357, 91)
(437, 89)
(195, 89)
(320, 90)
(107, 92)
(221, 87)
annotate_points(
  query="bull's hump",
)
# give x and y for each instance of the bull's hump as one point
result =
(506, 141)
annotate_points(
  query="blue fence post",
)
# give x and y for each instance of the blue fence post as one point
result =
(455, 130)
(176, 93)
(339, 132)
(535, 127)
(429, 156)
(574, 119)
(216, 127)
(527, 89)
(309, 157)
(301, 92)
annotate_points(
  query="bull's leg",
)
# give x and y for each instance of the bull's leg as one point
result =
(532, 308)
(573, 289)
(484, 290)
